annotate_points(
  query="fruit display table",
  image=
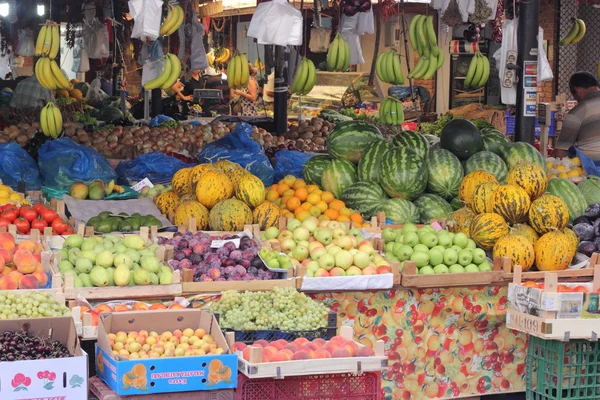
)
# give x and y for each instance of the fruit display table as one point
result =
(447, 342)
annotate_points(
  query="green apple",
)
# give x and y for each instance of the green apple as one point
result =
(440, 269)
(324, 235)
(343, 259)
(478, 256)
(456, 269)
(355, 232)
(421, 248)
(327, 262)
(388, 235)
(353, 271)
(440, 248)
(427, 270)
(300, 253)
(409, 227)
(427, 229)
(436, 256)
(403, 252)
(485, 266)
(471, 268)
(411, 239)
(421, 259)
(471, 244)
(457, 248)
(461, 239)
(450, 256)
(429, 239)
(399, 237)
(389, 247)
(465, 257)
(293, 223)
(444, 239)
(301, 233)
(272, 232)
(273, 264)
(362, 259)
(391, 257)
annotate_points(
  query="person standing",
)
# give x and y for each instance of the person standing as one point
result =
(245, 99)
(30, 93)
(581, 126)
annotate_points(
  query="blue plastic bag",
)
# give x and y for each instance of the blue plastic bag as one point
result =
(16, 165)
(289, 162)
(240, 148)
(156, 166)
(590, 166)
(159, 119)
(63, 162)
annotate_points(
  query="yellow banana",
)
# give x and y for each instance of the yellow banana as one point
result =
(160, 79)
(39, 44)
(169, 21)
(46, 72)
(568, 39)
(175, 71)
(470, 73)
(47, 41)
(580, 32)
(43, 121)
(179, 21)
(50, 120)
(245, 71)
(55, 42)
(59, 77)
(58, 121)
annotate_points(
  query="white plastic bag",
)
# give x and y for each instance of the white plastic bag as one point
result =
(95, 36)
(26, 47)
(152, 69)
(356, 55)
(276, 22)
(319, 40)
(81, 61)
(198, 59)
(146, 16)
(365, 23)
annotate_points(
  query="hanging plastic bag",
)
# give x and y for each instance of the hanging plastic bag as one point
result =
(289, 162)
(198, 54)
(365, 23)
(63, 162)
(155, 64)
(26, 47)
(147, 15)
(276, 22)
(240, 148)
(95, 95)
(16, 165)
(319, 40)
(95, 36)
(157, 167)
(81, 61)
(590, 166)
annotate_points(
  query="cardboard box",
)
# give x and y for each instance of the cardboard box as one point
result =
(63, 378)
(169, 374)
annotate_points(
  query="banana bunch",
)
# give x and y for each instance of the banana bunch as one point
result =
(306, 77)
(259, 65)
(48, 40)
(338, 55)
(168, 76)
(478, 73)
(223, 57)
(50, 75)
(210, 57)
(51, 121)
(238, 72)
(173, 21)
(388, 68)
(576, 33)
(423, 40)
(391, 111)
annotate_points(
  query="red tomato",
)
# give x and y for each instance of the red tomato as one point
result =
(4, 222)
(59, 226)
(49, 215)
(39, 207)
(39, 224)
(22, 225)
(9, 207)
(10, 214)
(28, 213)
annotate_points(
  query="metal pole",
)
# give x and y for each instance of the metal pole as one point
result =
(529, 20)
(281, 90)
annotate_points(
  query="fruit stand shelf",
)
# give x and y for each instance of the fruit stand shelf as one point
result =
(571, 275)
(411, 278)
(190, 287)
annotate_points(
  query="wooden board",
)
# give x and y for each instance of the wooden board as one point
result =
(381, 223)
(189, 287)
(567, 275)
(554, 329)
(354, 365)
(411, 278)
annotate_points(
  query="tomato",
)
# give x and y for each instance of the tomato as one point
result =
(10, 214)
(9, 207)
(39, 207)
(39, 224)
(4, 222)
(59, 226)
(580, 288)
(69, 231)
(22, 225)
(28, 213)
(49, 215)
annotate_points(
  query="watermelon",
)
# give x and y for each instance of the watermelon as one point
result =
(568, 192)
(412, 140)
(337, 176)
(364, 197)
(494, 141)
(368, 166)
(456, 204)
(431, 207)
(445, 173)
(590, 188)
(313, 169)
(399, 211)
(348, 140)
(462, 138)
(487, 161)
(403, 173)
(521, 151)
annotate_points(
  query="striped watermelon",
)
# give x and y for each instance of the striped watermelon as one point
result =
(520, 151)
(403, 173)
(568, 192)
(364, 197)
(348, 140)
(487, 161)
(412, 140)
(494, 141)
(368, 166)
(431, 207)
(445, 173)
(456, 204)
(399, 211)
(338, 175)
(313, 169)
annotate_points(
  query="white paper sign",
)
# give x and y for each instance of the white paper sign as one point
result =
(215, 244)
(144, 182)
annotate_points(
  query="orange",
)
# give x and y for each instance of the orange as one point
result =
(356, 218)
(580, 288)
(318, 191)
(289, 180)
(302, 215)
(322, 206)
(530, 284)
(273, 186)
(277, 202)
(272, 195)
(562, 288)
(301, 193)
(288, 192)
(337, 205)
(287, 214)
(343, 218)
(292, 203)
(313, 198)
(312, 188)
(299, 184)
(282, 188)
(285, 199)
(327, 197)
(345, 211)
(332, 214)
(306, 205)
(323, 217)
(314, 211)
(358, 225)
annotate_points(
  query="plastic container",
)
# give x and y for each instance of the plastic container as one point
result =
(562, 370)
(366, 386)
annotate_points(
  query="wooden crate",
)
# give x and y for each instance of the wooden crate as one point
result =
(189, 287)
(567, 275)
(547, 325)
(411, 278)
(257, 369)
(352, 281)
(381, 223)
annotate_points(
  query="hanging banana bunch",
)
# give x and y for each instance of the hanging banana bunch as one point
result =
(305, 79)
(169, 75)
(391, 111)
(51, 121)
(50, 75)
(48, 40)
(173, 21)
(423, 40)
(388, 68)
(210, 57)
(478, 72)
(338, 55)
(238, 72)
(223, 56)
(575, 34)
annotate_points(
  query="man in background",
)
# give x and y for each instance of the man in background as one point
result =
(214, 79)
(30, 93)
(269, 92)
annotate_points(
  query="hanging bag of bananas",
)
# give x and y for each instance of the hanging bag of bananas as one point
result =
(51, 121)
(575, 34)
(238, 72)
(338, 55)
(169, 75)
(305, 79)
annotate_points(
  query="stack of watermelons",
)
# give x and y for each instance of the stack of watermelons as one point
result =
(406, 178)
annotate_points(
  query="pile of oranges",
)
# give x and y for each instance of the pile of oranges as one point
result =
(559, 288)
(298, 200)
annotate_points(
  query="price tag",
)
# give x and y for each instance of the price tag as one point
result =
(215, 244)
(523, 322)
(548, 303)
(144, 182)
(436, 226)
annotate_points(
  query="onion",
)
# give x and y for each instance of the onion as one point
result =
(112, 139)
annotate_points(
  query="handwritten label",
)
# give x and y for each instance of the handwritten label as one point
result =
(140, 185)
(523, 322)
(215, 244)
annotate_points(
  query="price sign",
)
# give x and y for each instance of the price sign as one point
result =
(215, 244)
(524, 322)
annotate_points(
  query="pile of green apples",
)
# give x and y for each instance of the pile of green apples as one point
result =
(440, 252)
(113, 261)
(275, 259)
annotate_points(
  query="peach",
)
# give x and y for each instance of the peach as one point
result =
(30, 246)
(322, 354)
(176, 306)
(287, 351)
(337, 339)
(199, 333)
(158, 306)
(351, 347)
(291, 347)
(300, 342)
(9, 282)
(319, 342)
(308, 350)
(94, 318)
(301, 355)
(103, 308)
(282, 342)
(17, 275)
(281, 356)
(239, 346)
(122, 307)
(5, 271)
(41, 277)
(365, 352)
(39, 268)
(29, 282)
(341, 353)
(246, 352)
(330, 347)
(140, 306)
(312, 346)
(269, 351)
(25, 261)
(261, 343)
(7, 241)
(277, 345)
(38, 257)
(7, 255)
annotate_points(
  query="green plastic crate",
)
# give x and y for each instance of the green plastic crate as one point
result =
(562, 370)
